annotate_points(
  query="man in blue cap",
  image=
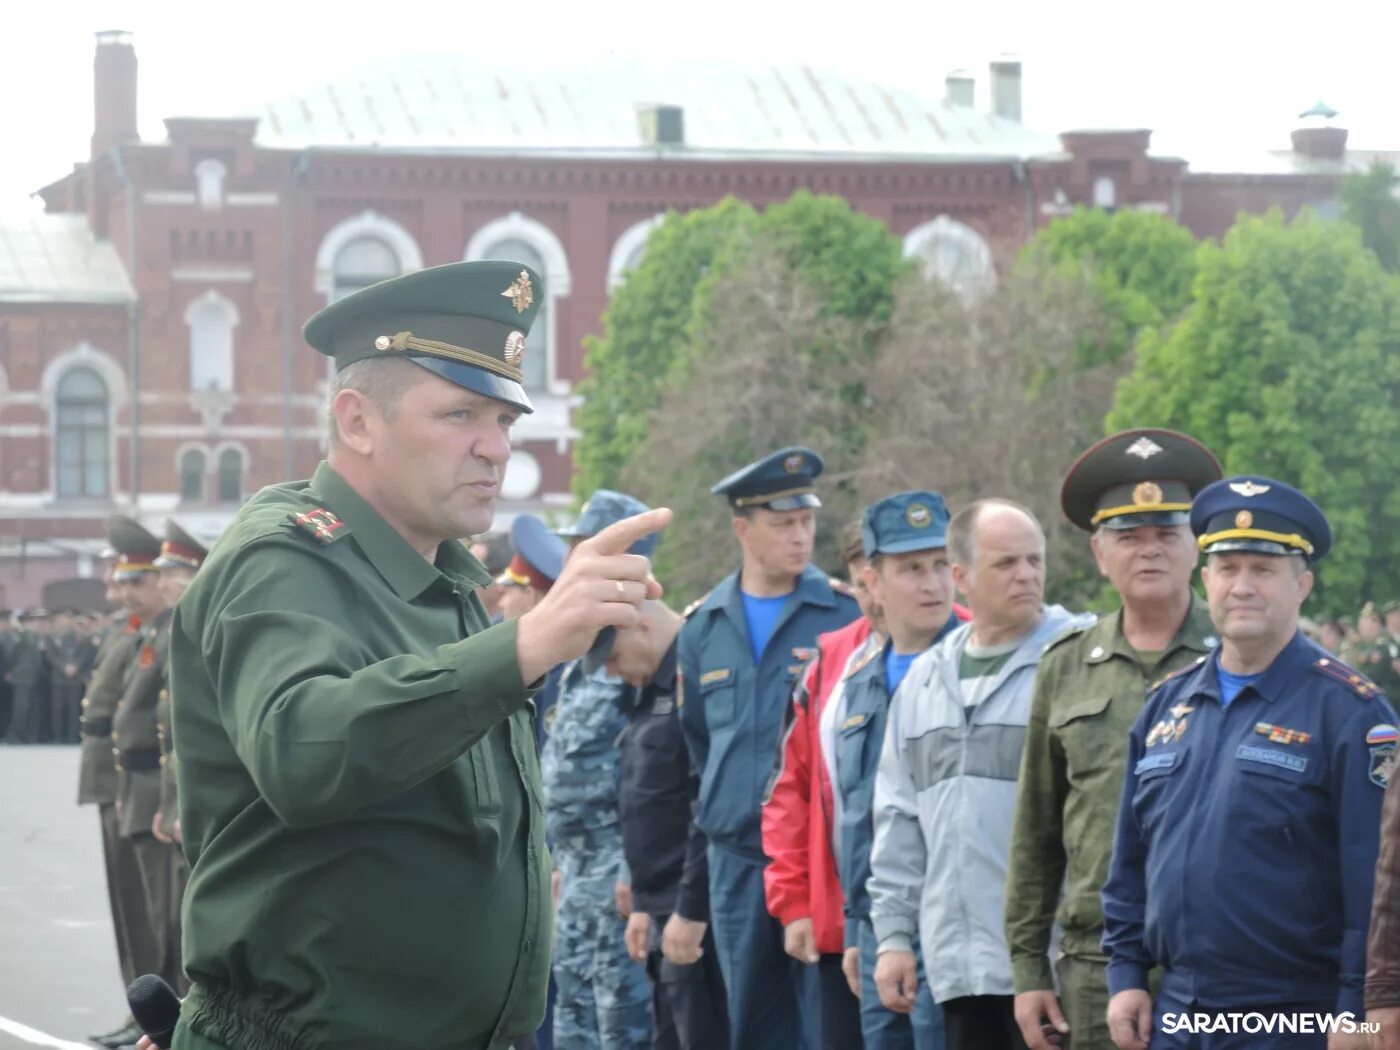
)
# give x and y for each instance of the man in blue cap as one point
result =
(604, 1000)
(740, 653)
(536, 563)
(1249, 824)
(905, 539)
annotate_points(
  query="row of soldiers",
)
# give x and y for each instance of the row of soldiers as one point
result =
(46, 659)
(127, 764)
(929, 875)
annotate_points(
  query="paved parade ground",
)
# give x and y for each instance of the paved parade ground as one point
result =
(58, 961)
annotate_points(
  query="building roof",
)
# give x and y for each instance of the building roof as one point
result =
(457, 102)
(54, 258)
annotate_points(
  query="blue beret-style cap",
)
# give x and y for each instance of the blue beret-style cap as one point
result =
(536, 548)
(907, 521)
(781, 481)
(606, 507)
(1253, 513)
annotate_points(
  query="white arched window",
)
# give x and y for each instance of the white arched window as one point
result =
(211, 319)
(630, 247)
(363, 250)
(361, 263)
(209, 183)
(1105, 192)
(81, 438)
(523, 240)
(194, 465)
(954, 253)
(230, 481)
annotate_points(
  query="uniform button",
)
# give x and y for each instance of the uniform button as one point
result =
(1096, 652)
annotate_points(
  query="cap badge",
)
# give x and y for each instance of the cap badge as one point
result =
(1144, 448)
(1147, 494)
(793, 464)
(1244, 519)
(515, 349)
(1248, 488)
(919, 516)
(521, 293)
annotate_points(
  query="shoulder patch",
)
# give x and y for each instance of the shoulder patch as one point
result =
(841, 586)
(321, 524)
(690, 609)
(1355, 681)
(1177, 673)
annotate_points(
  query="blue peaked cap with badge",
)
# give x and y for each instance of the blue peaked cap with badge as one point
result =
(781, 481)
(1253, 513)
(606, 507)
(539, 554)
(904, 522)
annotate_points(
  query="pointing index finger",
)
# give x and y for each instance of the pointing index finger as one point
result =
(618, 537)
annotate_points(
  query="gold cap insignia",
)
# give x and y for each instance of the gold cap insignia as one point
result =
(1248, 488)
(1144, 448)
(1244, 519)
(1147, 494)
(515, 349)
(521, 293)
(793, 464)
(919, 516)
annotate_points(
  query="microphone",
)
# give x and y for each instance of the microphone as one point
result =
(155, 1006)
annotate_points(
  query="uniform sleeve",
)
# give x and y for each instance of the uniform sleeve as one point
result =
(322, 726)
(693, 898)
(898, 856)
(1125, 893)
(786, 816)
(1037, 866)
(1357, 803)
(1383, 946)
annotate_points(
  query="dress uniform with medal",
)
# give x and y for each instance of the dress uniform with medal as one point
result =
(1249, 822)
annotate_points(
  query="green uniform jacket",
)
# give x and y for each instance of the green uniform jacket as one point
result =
(1089, 689)
(135, 741)
(359, 792)
(97, 770)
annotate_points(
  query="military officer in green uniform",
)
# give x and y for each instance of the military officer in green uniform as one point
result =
(132, 550)
(1132, 492)
(1373, 652)
(359, 791)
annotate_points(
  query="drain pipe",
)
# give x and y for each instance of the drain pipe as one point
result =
(133, 334)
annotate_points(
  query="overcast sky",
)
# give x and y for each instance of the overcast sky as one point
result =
(1206, 75)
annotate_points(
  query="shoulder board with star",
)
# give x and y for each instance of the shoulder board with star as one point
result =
(1193, 665)
(690, 609)
(1357, 682)
(320, 524)
(866, 658)
(841, 586)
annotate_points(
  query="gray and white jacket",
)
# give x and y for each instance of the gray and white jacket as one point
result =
(945, 794)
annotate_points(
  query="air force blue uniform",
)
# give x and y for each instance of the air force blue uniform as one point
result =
(1248, 830)
(731, 713)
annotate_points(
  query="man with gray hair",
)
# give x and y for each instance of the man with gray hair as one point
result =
(946, 787)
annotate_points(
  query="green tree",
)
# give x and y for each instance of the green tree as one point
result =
(644, 330)
(1287, 364)
(1369, 201)
(1141, 264)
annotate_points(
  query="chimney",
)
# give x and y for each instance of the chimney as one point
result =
(1006, 89)
(114, 91)
(960, 85)
(662, 125)
(1318, 137)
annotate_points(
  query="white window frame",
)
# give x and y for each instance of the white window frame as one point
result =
(84, 355)
(203, 449)
(632, 238)
(209, 174)
(218, 302)
(215, 456)
(946, 228)
(365, 224)
(558, 281)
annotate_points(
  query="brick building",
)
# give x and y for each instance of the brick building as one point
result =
(150, 351)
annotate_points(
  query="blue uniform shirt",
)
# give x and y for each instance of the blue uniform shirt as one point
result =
(866, 694)
(1247, 835)
(732, 706)
(762, 614)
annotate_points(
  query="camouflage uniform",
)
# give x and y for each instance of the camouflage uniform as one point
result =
(604, 997)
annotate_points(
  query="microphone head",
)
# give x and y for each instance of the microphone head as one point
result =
(155, 1006)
